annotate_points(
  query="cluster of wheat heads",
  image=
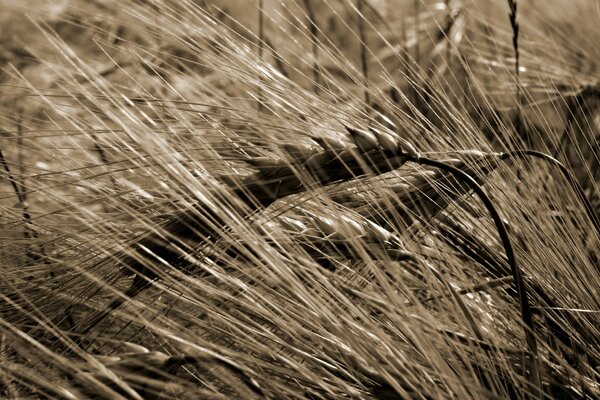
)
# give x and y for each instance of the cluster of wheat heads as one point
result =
(300, 199)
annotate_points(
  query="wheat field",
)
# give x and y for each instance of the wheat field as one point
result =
(299, 199)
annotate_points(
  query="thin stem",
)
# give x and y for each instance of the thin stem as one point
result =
(575, 103)
(416, 72)
(526, 314)
(568, 176)
(512, 4)
(21, 196)
(261, 48)
(314, 31)
(363, 51)
(279, 61)
(417, 11)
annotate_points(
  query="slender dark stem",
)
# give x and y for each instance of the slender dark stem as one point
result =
(568, 176)
(417, 70)
(526, 314)
(29, 231)
(314, 31)
(363, 51)
(577, 101)
(10, 177)
(417, 11)
(451, 21)
(405, 57)
(261, 47)
(17, 186)
(512, 4)
(279, 61)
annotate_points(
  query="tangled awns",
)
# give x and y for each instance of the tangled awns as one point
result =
(286, 199)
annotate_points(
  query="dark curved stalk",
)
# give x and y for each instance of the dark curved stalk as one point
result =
(577, 100)
(526, 314)
(589, 209)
